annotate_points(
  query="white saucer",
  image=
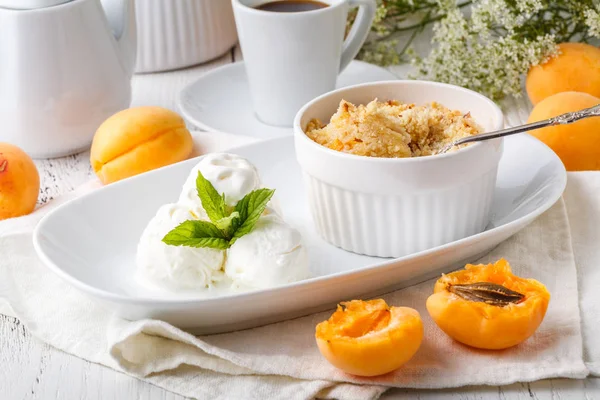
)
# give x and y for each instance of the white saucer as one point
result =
(91, 241)
(219, 101)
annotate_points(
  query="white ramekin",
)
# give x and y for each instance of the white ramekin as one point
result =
(179, 33)
(392, 207)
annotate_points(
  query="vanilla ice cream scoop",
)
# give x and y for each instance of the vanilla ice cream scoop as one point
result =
(176, 267)
(230, 174)
(271, 255)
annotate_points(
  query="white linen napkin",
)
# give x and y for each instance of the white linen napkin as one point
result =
(542, 251)
(282, 361)
(582, 198)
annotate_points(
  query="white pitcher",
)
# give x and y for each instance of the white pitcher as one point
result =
(65, 66)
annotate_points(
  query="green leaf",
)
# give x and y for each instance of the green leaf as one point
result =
(195, 233)
(212, 202)
(250, 208)
(211, 243)
(228, 224)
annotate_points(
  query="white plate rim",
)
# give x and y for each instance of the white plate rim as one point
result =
(174, 302)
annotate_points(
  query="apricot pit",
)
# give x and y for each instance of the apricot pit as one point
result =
(487, 306)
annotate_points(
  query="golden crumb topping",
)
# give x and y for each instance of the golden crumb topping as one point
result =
(391, 129)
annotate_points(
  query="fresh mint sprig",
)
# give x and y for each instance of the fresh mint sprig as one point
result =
(226, 224)
(212, 201)
(195, 233)
(250, 208)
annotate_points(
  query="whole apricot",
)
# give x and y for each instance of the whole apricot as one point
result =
(487, 306)
(576, 68)
(137, 140)
(369, 338)
(577, 144)
(19, 182)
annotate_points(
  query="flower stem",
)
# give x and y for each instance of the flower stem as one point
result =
(424, 22)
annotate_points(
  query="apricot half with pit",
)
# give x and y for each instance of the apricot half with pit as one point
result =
(487, 307)
(369, 338)
(138, 140)
(19, 182)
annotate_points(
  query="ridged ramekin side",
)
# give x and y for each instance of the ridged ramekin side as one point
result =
(386, 225)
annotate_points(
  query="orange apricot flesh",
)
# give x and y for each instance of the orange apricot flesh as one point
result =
(483, 325)
(369, 338)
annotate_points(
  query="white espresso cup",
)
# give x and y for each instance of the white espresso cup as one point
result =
(293, 57)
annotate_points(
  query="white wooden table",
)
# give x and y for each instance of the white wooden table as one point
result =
(30, 369)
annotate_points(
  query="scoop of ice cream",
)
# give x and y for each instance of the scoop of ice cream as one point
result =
(230, 174)
(176, 267)
(271, 255)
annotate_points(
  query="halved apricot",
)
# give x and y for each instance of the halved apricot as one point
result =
(369, 338)
(487, 307)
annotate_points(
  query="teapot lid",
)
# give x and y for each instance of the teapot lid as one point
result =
(30, 4)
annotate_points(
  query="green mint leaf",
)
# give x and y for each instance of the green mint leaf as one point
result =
(250, 208)
(195, 233)
(212, 201)
(211, 243)
(229, 224)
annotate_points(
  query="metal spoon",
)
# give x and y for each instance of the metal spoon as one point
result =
(563, 119)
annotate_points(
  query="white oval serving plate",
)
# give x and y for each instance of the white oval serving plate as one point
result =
(91, 241)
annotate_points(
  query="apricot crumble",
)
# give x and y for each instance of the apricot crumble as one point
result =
(392, 129)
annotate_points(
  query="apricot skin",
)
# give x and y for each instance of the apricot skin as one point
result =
(577, 144)
(482, 325)
(503, 331)
(377, 352)
(138, 140)
(577, 68)
(19, 182)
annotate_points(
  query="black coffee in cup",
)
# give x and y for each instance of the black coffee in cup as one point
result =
(292, 5)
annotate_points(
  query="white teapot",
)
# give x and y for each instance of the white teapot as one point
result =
(65, 66)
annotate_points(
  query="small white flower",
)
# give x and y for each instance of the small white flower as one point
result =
(592, 20)
(487, 47)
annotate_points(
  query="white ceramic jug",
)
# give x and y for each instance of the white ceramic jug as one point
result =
(65, 66)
